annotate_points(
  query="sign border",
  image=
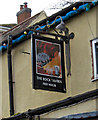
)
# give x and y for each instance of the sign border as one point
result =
(33, 52)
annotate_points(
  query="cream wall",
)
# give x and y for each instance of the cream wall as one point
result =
(0, 86)
(96, 20)
(25, 96)
(82, 107)
(5, 87)
(79, 82)
(84, 27)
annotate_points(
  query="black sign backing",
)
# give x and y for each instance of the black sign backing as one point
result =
(48, 71)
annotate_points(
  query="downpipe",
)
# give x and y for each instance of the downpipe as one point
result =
(11, 97)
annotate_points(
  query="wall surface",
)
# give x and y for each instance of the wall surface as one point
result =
(0, 86)
(84, 27)
(5, 87)
(96, 21)
(82, 107)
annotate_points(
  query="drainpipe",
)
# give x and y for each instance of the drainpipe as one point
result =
(10, 75)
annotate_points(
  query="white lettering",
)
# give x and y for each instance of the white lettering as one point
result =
(56, 81)
(39, 78)
(46, 79)
(45, 84)
(52, 85)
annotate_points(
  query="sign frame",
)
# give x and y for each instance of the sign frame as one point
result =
(41, 79)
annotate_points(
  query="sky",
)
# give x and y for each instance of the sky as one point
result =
(9, 8)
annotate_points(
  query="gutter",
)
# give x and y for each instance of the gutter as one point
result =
(66, 10)
(61, 13)
(66, 14)
(54, 106)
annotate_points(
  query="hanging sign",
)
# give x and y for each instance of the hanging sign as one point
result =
(48, 71)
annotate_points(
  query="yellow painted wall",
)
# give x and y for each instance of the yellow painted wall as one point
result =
(0, 86)
(84, 27)
(96, 21)
(22, 70)
(5, 87)
(83, 107)
(79, 82)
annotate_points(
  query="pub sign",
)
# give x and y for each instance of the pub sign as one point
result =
(48, 71)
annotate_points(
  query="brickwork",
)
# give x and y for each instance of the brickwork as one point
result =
(24, 13)
(23, 16)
